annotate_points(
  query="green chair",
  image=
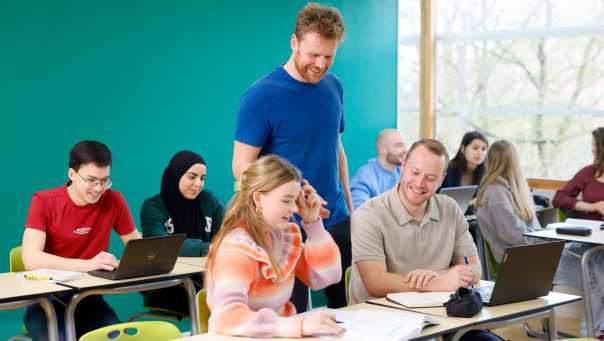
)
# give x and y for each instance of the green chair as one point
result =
(492, 264)
(134, 331)
(204, 310)
(347, 280)
(16, 265)
(16, 261)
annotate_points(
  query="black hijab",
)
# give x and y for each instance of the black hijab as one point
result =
(186, 214)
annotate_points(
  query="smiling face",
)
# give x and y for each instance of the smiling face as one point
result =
(192, 182)
(313, 55)
(278, 205)
(423, 173)
(88, 183)
(475, 153)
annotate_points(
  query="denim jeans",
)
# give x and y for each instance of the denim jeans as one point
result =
(91, 313)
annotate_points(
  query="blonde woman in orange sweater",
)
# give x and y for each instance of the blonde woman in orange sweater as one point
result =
(258, 252)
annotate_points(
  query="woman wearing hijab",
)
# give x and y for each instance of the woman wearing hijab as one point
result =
(182, 206)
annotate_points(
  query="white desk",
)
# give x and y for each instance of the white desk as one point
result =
(502, 315)
(596, 239)
(195, 261)
(490, 317)
(17, 292)
(446, 325)
(90, 285)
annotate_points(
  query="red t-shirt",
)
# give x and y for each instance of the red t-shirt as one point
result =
(78, 231)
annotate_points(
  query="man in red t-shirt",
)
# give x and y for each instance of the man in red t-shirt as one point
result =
(68, 228)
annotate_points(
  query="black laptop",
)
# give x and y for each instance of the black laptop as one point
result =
(526, 272)
(462, 195)
(146, 257)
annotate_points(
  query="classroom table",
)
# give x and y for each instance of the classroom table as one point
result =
(90, 285)
(18, 292)
(501, 315)
(596, 239)
(195, 261)
(490, 317)
(445, 326)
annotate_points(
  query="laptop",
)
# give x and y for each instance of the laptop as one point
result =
(462, 195)
(146, 257)
(526, 272)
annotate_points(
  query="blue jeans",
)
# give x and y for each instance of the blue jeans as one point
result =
(91, 313)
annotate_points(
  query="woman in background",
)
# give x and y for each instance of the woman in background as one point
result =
(505, 211)
(467, 167)
(182, 206)
(589, 183)
(258, 252)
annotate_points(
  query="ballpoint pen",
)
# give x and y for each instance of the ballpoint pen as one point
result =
(465, 260)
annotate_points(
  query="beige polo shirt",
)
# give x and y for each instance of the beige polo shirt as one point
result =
(382, 230)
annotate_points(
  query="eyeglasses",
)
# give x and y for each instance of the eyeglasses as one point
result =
(104, 183)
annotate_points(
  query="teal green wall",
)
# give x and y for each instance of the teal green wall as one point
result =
(150, 78)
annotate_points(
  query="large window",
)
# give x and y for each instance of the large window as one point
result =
(529, 71)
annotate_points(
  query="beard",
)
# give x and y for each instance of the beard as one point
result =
(305, 72)
(394, 159)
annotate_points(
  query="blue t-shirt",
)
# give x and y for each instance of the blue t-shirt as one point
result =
(301, 122)
(372, 180)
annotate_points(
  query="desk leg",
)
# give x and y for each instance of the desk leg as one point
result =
(70, 331)
(190, 288)
(552, 330)
(585, 279)
(51, 319)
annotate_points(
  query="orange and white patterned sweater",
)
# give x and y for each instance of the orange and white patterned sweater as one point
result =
(244, 294)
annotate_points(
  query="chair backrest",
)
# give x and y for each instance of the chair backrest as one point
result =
(204, 310)
(347, 280)
(135, 331)
(492, 264)
(16, 262)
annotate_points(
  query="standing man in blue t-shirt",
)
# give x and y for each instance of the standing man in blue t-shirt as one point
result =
(382, 172)
(296, 112)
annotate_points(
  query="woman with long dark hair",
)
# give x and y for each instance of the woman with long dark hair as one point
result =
(589, 183)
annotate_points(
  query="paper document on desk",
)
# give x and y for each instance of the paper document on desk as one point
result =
(381, 325)
(57, 276)
(570, 222)
(420, 299)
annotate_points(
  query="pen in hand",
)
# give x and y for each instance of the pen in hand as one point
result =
(465, 260)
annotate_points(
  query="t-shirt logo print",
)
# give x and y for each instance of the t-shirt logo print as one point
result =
(82, 230)
(169, 226)
(208, 224)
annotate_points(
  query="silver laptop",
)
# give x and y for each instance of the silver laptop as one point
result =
(462, 195)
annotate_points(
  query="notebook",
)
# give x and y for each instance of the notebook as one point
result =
(379, 324)
(420, 299)
(146, 257)
(57, 276)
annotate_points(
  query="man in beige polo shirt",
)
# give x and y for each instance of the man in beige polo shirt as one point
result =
(409, 238)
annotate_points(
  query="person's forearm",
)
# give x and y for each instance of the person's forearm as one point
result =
(584, 206)
(343, 173)
(42, 260)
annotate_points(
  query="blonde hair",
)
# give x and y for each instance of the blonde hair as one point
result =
(503, 163)
(264, 175)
